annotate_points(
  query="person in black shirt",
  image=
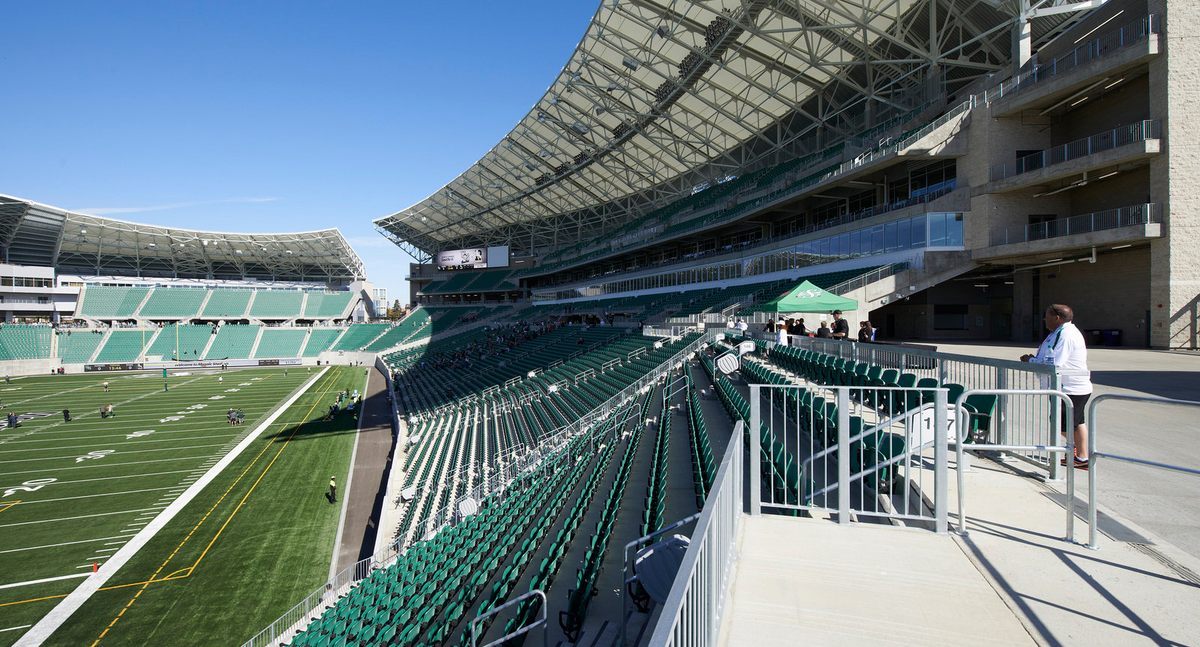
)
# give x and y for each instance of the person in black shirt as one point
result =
(823, 331)
(841, 327)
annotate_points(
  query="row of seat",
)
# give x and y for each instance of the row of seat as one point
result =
(410, 602)
(704, 467)
(578, 598)
(123, 302)
(656, 497)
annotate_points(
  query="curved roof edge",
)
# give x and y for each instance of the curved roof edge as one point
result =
(33, 233)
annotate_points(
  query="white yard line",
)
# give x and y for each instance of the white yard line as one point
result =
(82, 516)
(17, 627)
(123, 453)
(70, 604)
(89, 496)
(85, 415)
(65, 543)
(103, 464)
(42, 581)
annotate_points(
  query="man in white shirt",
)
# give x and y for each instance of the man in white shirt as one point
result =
(1065, 349)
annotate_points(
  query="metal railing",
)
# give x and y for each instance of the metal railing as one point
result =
(1013, 423)
(874, 467)
(1130, 34)
(520, 458)
(1138, 214)
(961, 417)
(1094, 455)
(540, 622)
(1120, 136)
(692, 613)
(295, 619)
(864, 280)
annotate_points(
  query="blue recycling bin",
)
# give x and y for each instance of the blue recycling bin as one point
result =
(1112, 337)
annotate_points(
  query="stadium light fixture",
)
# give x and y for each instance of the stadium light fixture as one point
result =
(631, 63)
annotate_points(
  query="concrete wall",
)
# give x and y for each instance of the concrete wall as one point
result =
(1110, 294)
(1174, 97)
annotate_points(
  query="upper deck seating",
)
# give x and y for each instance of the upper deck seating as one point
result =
(111, 302)
(276, 304)
(174, 303)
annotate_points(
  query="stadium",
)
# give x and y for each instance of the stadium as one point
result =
(592, 425)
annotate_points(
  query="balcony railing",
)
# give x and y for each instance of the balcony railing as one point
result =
(1138, 214)
(1107, 140)
(1134, 32)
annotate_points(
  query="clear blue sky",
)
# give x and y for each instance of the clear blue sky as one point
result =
(268, 116)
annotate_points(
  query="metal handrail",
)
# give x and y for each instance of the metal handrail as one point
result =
(1140, 131)
(541, 622)
(1131, 33)
(1138, 214)
(696, 583)
(1067, 449)
(625, 564)
(1094, 455)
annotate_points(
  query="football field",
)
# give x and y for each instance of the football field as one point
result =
(74, 493)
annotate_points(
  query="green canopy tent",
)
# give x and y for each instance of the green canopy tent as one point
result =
(807, 297)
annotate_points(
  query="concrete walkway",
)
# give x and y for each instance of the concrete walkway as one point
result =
(813, 582)
(1012, 579)
(372, 459)
(1165, 503)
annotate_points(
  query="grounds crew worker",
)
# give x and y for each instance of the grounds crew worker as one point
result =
(332, 490)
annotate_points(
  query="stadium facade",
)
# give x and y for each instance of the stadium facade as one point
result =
(955, 166)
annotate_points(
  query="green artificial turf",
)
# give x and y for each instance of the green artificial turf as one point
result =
(252, 544)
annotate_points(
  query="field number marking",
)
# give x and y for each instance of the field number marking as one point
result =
(99, 453)
(216, 397)
(32, 485)
(171, 419)
(139, 434)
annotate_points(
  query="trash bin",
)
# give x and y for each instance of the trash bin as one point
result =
(1112, 337)
(1095, 337)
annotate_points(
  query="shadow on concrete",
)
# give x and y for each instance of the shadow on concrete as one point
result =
(1183, 385)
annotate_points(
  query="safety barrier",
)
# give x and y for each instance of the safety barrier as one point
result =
(962, 417)
(1014, 422)
(857, 451)
(692, 613)
(540, 622)
(1095, 456)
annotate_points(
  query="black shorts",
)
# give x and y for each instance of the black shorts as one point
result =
(1079, 404)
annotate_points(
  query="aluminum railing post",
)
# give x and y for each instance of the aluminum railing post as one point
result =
(941, 487)
(1092, 461)
(843, 454)
(755, 449)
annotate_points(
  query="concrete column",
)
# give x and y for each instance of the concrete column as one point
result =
(1174, 174)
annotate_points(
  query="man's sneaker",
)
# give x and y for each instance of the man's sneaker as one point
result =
(1080, 463)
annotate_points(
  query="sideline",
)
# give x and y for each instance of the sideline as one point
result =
(69, 605)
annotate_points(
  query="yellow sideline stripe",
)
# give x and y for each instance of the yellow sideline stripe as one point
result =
(153, 578)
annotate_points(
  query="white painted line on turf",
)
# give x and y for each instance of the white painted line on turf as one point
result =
(41, 581)
(19, 627)
(90, 496)
(65, 543)
(49, 623)
(82, 516)
(114, 542)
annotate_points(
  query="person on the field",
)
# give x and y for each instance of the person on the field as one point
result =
(332, 490)
(105, 385)
(66, 415)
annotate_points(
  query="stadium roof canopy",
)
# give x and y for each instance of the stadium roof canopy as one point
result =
(661, 96)
(37, 234)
